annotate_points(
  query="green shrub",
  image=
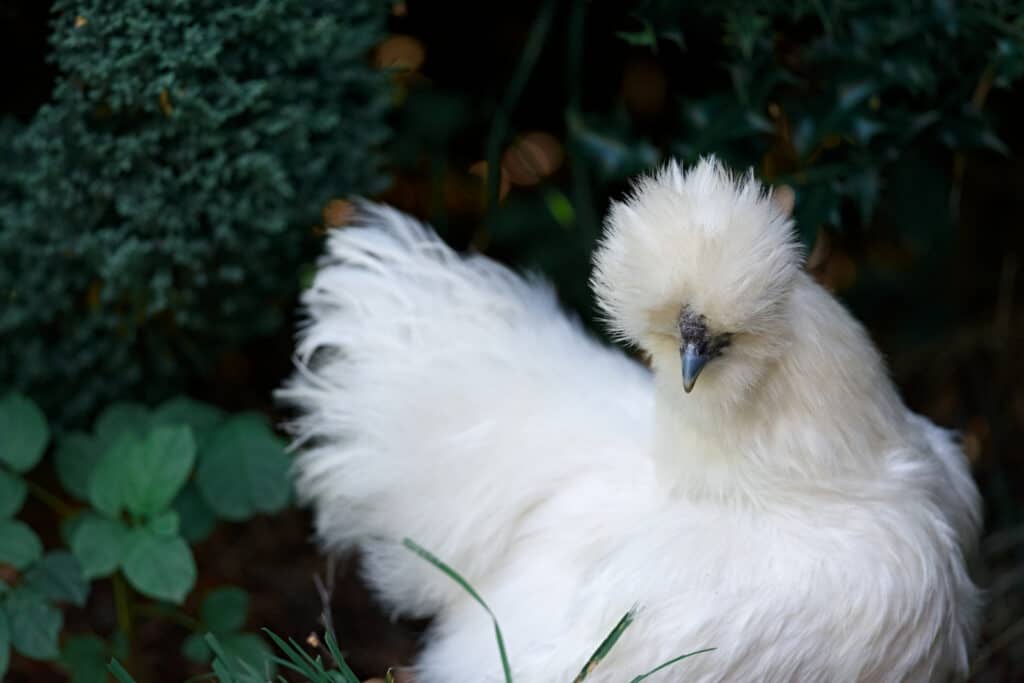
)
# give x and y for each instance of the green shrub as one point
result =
(142, 488)
(156, 210)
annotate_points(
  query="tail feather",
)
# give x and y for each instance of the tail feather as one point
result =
(441, 397)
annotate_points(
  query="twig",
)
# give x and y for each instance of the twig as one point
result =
(325, 589)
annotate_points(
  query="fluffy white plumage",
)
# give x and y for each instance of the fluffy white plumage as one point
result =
(789, 512)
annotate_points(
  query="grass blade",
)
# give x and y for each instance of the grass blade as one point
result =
(332, 647)
(606, 646)
(454, 576)
(119, 672)
(669, 663)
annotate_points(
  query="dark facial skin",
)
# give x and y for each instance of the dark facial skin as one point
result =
(698, 345)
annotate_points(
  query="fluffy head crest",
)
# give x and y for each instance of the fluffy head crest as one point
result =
(701, 238)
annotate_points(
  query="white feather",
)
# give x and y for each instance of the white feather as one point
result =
(790, 512)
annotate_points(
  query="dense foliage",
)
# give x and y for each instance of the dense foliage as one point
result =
(139, 490)
(155, 211)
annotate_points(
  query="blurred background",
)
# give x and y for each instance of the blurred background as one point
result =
(167, 177)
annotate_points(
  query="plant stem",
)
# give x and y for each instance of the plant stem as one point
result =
(51, 500)
(123, 606)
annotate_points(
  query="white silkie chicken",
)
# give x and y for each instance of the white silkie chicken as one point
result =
(763, 491)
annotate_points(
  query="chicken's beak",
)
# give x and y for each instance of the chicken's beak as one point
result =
(693, 362)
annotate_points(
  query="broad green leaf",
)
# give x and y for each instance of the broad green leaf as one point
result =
(158, 566)
(248, 648)
(225, 609)
(122, 418)
(195, 649)
(85, 657)
(155, 473)
(99, 544)
(195, 518)
(34, 623)
(5, 643)
(12, 493)
(23, 432)
(164, 524)
(19, 545)
(244, 469)
(75, 459)
(58, 576)
(201, 417)
(107, 485)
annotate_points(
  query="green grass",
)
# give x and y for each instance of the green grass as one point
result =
(313, 668)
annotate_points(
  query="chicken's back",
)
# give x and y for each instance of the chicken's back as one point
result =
(444, 398)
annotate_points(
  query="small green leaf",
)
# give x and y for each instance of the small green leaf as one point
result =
(23, 432)
(58, 576)
(195, 517)
(75, 459)
(164, 524)
(119, 419)
(201, 417)
(248, 648)
(5, 643)
(99, 544)
(12, 493)
(34, 623)
(159, 567)
(19, 545)
(224, 609)
(195, 649)
(85, 658)
(156, 471)
(107, 484)
(244, 469)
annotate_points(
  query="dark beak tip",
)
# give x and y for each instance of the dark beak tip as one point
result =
(693, 363)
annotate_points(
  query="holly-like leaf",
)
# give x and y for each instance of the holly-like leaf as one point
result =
(58, 576)
(12, 493)
(75, 459)
(99, 544)
(19, 545)
(85, 657)
(224, 609)
(156, 471)
(34, 623)
(23, 432)
(158, 566)
(244, 470)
